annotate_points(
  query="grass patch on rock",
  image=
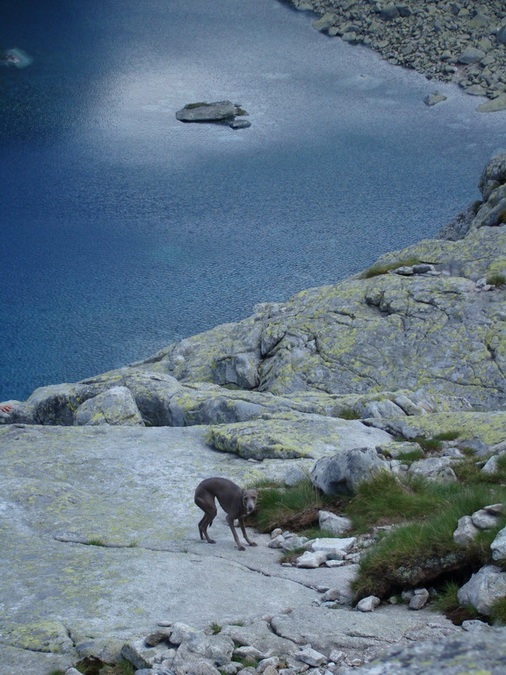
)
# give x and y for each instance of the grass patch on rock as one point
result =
(294, 508)
(423, 549)
(378, 270)
(496, 280)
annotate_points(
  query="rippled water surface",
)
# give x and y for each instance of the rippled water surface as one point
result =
(123, 230)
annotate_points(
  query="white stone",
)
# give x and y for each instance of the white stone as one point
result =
(181, 632)
(498, 546)
(333, 546)
(368, 604)
(434, 468)
(484, 520)
(335, 563)
(336, 656)
(466, 531)
(420, 599)
(334, 524)
(312, 657)
(311, 559)
(293, 542)
(271, 662)
(483, 589)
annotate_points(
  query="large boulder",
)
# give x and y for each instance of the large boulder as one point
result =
(342, 473)
(483, 589)
(114, 406)
(290, 436)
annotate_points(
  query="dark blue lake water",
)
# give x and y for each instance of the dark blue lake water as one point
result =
(123, 230)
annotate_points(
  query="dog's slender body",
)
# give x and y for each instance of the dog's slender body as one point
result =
(236, 503)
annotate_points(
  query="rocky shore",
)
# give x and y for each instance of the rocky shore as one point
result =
(459, 41)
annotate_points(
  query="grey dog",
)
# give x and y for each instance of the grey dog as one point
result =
(236, 503)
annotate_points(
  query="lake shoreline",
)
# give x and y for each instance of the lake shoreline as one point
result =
(457, 42)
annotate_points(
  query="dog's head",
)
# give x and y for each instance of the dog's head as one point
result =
(249, 500)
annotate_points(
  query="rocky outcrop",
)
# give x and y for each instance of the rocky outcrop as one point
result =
(460, 42)
(439, 327)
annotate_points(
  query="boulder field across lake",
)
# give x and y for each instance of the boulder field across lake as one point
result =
(462, 41)
(100, 545)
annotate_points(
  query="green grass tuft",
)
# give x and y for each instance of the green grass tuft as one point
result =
(496, 280)
(410, 456)
(278, 505)
(349, 414)
(377, 270)
(434, 509)
(199, 104)
(498, 612)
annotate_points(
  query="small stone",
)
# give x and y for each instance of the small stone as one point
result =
(158, 636)
(434, 99)
(248, 653)
(498, 546)
(389, 12)
(484, 520)
(475, 625)
(334, 547)
(496, 509)
(325, 22)
(501, 35)
(471, 55)
(271, 662)
(420, 599)
(368, 604)
(336, 656)
(311, 559)
(466, 531)
(269, 670)
(334, 524)
(311, 657)
(405, 271)
(335, 563)
(181, 632)
(275, 533)
(239, 124)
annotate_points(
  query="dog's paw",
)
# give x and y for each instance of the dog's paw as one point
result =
(241, 548)
(252, 543)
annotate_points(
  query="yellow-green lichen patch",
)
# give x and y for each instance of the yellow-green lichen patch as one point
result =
(49, 636)
(489, 427)
(292, 435)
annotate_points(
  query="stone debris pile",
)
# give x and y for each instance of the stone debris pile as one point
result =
(462, 42)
